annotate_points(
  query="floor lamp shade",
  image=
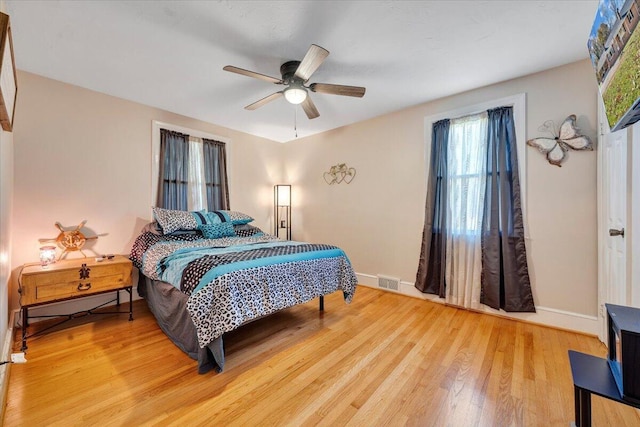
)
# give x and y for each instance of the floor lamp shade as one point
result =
(282, 211)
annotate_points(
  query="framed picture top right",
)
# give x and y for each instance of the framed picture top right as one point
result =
(614, 48)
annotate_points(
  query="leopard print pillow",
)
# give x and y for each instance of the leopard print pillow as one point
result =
(174, 220)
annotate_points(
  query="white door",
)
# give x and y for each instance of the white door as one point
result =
(613, 280)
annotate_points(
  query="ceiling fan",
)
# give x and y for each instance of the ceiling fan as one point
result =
(295, 75)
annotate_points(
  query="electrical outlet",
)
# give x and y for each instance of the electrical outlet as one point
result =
(18, 358)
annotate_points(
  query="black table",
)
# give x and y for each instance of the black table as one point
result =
(591, 374)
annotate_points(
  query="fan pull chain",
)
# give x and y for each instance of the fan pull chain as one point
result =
(295, 120)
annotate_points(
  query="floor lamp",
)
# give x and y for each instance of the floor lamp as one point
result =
(282, 211)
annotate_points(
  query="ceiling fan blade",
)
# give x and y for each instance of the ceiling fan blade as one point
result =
(264, 100)
(356, 91)
(253, 74)
(311, 61)
(310, 108)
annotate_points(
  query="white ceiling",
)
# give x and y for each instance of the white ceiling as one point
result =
(170, 54)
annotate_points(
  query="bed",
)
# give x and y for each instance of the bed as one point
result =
(204, 274)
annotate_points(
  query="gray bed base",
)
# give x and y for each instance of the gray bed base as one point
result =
(169, 306)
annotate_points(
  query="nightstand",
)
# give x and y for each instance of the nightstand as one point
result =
(71, 279)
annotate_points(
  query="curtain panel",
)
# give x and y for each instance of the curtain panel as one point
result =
(215, 174)
(465, 184)
(431, 267)
(197, 195)
(173, 173)
(505, 276)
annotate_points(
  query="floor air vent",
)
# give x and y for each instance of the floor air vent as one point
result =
(386, 282)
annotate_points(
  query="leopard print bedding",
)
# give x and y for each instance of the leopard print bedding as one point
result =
(245, 294)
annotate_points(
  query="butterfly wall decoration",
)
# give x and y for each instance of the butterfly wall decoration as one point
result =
(568, 137)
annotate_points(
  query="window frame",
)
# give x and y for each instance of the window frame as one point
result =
(155, 152)
(519, 104)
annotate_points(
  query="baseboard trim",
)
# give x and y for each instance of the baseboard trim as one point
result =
(544, 315)
(5, 370)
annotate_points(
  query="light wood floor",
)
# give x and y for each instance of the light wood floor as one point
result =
(386, 359)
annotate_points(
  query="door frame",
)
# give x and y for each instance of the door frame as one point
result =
(603, 128)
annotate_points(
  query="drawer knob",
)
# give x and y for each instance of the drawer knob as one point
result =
(84, 286)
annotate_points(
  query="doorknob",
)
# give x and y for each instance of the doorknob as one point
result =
(613, 232)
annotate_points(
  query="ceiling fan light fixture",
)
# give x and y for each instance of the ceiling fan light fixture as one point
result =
(295, 74)
(295, 94)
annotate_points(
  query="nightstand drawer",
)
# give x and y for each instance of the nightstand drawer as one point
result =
(69, 289)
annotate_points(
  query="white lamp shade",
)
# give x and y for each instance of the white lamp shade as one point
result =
(283, 193)
(295, 95)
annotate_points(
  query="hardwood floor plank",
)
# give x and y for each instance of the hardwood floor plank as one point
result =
(385, 359)
(383, 397)
(348, 373)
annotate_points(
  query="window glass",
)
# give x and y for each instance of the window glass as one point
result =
(466, 160)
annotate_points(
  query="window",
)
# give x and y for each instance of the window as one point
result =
(473, 249)
(630, 16)
(194, 172)
(469, 122)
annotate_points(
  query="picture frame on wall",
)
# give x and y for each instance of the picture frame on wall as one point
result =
(8, 78)
(613, 46)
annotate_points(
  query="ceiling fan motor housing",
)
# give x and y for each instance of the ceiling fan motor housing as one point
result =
(288, 70)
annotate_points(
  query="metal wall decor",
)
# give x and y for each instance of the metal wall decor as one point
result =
(567, 137)
(70, 240)
(339, 173)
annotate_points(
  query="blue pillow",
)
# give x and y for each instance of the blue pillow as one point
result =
(216, 231)
(235, 217)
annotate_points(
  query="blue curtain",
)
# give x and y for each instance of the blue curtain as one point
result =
(431, 267)
(173, 173)
(505, 276)
(215, 174)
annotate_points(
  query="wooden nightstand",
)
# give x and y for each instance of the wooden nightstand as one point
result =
(71, 279)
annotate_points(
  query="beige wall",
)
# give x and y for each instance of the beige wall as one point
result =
(83, 155)
(6, 198)
(378, 218)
